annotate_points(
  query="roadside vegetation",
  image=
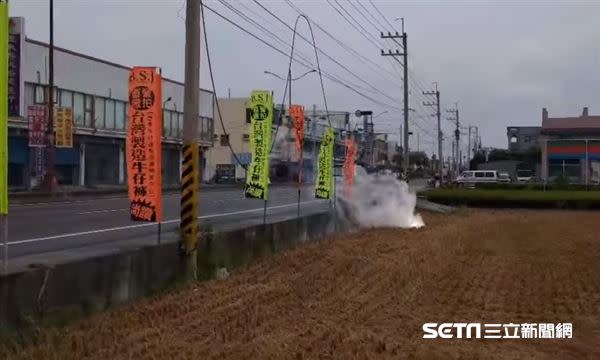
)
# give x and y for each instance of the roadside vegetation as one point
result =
(513, 196)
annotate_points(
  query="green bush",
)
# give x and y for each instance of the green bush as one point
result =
(538, 187)
(515, 198)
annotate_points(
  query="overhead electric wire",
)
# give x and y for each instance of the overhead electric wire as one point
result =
(380, 14)
(356, 21)
(375, 89)
(412, 120)
(370, 14)
(378, 69)
(253, 22)
(212, 80)
(375, 43)
(378, 28)
(327, 76)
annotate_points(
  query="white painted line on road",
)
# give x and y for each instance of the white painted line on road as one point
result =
(101, 211)
(128, 227)
(104, 211)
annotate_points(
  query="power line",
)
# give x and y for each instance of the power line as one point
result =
(328, 76)
(356, 21)
(381, 27)
(371, 39)
(212, 80)
(376, 90)
(377, 67)
(380, 14)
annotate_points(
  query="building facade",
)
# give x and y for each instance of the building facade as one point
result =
(571, 148)
(96, 90)
(284, 158)
(523, 138)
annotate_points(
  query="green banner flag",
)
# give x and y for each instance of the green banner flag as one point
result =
(3, 107)
(325, 169)
(261, 120)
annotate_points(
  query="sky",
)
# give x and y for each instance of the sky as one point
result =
(500, 62)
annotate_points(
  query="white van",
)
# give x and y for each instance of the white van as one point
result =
(477, 177)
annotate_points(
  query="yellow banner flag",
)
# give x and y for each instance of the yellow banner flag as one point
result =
(261, 120)
(325, 169)
(3, 107)
(63, 127)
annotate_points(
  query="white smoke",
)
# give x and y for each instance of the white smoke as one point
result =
(379, 201)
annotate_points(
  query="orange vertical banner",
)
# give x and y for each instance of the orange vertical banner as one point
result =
(144, 131)
(297, 114)
(348, 167)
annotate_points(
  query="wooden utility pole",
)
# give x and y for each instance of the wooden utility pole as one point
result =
(190, 166)
(439, 126)
(455, 153)
(404, 56)
(50, 184)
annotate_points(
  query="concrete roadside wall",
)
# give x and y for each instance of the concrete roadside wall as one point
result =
(44, 296)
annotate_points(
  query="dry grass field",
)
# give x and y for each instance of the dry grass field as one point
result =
(367, 295)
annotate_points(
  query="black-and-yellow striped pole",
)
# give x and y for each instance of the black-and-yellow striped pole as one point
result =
(189, 197)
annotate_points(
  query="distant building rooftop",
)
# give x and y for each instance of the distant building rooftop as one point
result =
(583, 124)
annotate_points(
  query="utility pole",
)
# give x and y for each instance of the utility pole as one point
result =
(50, 184)
(453, 157)
(456, 119)
(190, 172)
(469, 149)
(404, 55)
(439, 126)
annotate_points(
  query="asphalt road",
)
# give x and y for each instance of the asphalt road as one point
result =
(51, 232)
(48, 227)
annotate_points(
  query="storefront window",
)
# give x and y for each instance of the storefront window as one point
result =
(78, 108)
(89, 110)
(120, 115)
(66, 98)
(179, 124)
(109, 114)
(99, 112)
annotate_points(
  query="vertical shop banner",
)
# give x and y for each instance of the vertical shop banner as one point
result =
(37, 119)
(261, 120)
(297, 115)
(325, 167)
(3, 108)
(143, 146)
(39, 163)
(63, 127)
(14, 66)
(348, 167)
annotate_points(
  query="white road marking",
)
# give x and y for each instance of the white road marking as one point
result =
(123, 197)
(128, 227)
(102, 211)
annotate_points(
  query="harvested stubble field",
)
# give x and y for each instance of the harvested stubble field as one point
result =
(367, 295)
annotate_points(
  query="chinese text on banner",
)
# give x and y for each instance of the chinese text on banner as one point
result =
(63, 127)
(297, 114)
(261, 112)
(325, 169)
(144, 133)
(348, 167)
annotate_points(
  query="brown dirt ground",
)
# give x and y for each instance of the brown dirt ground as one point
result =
(366, 295)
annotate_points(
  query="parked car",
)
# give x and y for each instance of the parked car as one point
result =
(524, 175)
(504, 177)
(473, 177)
